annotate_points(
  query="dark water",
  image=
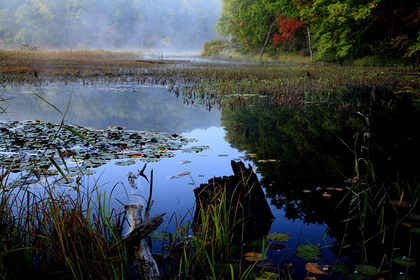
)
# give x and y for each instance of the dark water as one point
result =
(304, 157)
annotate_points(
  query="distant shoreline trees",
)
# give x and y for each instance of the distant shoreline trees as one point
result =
(108, 24)
(340, 29)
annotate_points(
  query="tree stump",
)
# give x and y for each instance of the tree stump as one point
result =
(244, 189)
(136, 240)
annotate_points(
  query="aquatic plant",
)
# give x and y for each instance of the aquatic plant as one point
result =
(54, 233)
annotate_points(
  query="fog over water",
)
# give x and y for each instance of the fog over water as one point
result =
(159, 25)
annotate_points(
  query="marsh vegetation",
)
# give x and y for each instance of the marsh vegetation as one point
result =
(333, 146)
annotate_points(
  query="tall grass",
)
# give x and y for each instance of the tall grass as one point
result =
(54, 235)
(212, 246)
(379, 211)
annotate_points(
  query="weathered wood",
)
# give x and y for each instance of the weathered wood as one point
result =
(144, 229)
(137, 241)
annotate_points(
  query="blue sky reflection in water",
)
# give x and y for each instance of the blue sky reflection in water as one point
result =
(153, 109)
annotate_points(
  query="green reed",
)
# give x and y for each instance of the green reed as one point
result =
(378, 210)
(207, 247)
(55, 235)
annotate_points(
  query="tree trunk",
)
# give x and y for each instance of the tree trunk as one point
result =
(309, 41)
(266, 40)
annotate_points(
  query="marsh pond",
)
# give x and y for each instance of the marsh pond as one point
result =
(338, 166)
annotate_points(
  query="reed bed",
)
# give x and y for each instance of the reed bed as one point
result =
(52, 235)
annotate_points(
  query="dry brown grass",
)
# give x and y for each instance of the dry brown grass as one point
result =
(67, 62)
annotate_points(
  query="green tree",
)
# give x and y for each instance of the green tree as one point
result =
(353, 28)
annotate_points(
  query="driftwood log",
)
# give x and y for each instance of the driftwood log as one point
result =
(137, 241)
(243, 188)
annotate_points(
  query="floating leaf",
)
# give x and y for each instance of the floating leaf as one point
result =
(308, 252)
(254, 257)
(255, 243)
(136, 155)
(267, 275)
(195, 149)
(326, 195)
(367, 270)
(125, 163)
(404, 261)
(183, 174)
(184, 162)
(280, 237)
(314, 268)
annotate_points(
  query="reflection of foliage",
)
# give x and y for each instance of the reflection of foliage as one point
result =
(303, 140)
(317, 145)
(309, 141)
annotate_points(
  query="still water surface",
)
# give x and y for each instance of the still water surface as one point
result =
(307, 151)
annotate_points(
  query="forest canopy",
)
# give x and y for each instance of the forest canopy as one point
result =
(339, 29)
(108, 24)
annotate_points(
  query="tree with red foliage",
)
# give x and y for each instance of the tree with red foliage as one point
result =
(287, 27)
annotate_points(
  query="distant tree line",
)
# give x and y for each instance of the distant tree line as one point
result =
(165, 24)
(339, 29)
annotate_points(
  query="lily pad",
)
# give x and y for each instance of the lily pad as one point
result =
(254, 257)
(267, 275)
(308, 252)
(195, 149)
(255, 244)
(367, 270)
(404, 261)
(280, 237)
(25, 140)
(125, 163)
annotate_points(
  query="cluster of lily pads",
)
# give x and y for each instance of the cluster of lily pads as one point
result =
(42, 148)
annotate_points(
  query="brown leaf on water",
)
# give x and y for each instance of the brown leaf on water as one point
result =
(253, 257)
(314, 268)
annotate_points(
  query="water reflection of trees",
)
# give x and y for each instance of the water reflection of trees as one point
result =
(141, 108)
(315, 147)
(315, 144)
